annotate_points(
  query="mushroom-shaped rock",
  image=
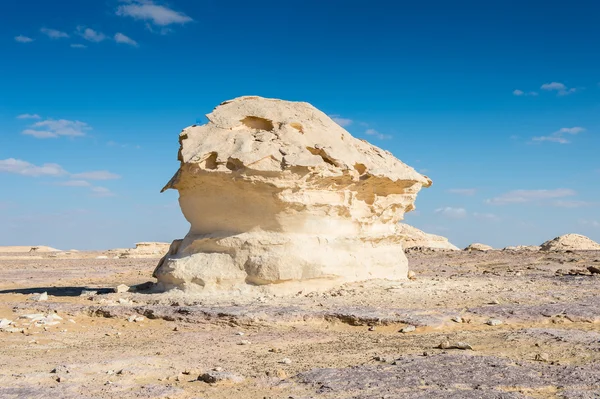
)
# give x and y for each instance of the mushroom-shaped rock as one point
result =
(570, 242)
(276, 191)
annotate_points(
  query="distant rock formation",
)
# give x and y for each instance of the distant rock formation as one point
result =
(415, 239)
(570, 242)
(530, 248)
(146, 250)
(478, 247)
(276, 191)
(32, 249)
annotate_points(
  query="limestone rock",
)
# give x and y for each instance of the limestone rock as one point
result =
(276, 191)
(478, 247)
(570, 242)
(146, 250)
(530, 248)
(415, 238)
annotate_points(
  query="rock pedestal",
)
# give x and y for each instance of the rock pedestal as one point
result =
(276, 191)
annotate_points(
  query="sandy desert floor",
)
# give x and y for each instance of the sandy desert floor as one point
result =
(534, 332)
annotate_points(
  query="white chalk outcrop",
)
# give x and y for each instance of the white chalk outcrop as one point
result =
(571, 242)
(146, 250)
(413, 238)
(479, 247)
(276, 191)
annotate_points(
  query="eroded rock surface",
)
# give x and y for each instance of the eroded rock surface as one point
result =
(570, 242)
(276, 191)
(479, 247)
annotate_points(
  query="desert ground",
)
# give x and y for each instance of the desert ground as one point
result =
(495, 324)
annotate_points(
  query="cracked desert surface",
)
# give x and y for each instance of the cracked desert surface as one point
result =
(531, 319)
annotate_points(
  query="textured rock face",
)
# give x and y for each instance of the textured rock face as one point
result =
(275, 191)
(146, 250)
(413, 237)
(478, 247)
(570, 242)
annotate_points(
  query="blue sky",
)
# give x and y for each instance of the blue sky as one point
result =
(497, 102)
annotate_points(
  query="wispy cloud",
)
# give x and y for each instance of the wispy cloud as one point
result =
(573, 204)
(452, 213)
(375, 133)
(121, 38)
(54, 34)
(560, 135)
(90, 34)
(487, 217)
(51, 128)
(102, 192)
(524, 196)
(521, 93)
(147, 10)
(560, 88)
(343, 122)
(96, 175)
(74, 183)
(462, 191)
(28, 116)
(592, 223)
(19, 167)
(23, 39)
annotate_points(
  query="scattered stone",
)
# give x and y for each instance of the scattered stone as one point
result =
(121, 288)
(463, 346)
(275, 350)
(240, 333)
(594, 269)
(39, 297)
(135, 318)
(124, 301)
(408, 329)
(285, 361)
(88, 293)
(384, 359)
(102, 257)
(371, 328)
(444, 345)
(493, 322)
(457, 319)
(244, 342)
(412, 275)
(214, 377)
(542, 357)
(5, 323)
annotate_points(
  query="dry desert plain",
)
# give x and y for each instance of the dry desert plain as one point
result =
(494, 324)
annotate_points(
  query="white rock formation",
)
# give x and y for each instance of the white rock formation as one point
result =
(276, 191)
(529, 248)
(146, 250)
(570, 242)
(478, 247)
(414, 238)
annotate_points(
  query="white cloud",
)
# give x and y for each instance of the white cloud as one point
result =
(573, 204)
(560, 88)
(90, 34)
(51, 128)
(487, 216)
(121, 38)
(53, 33)
(74, 183)
(147, 10)
(463, 191)
(559, 135)
(77, 45)
(23, 39)
(380, 136)
(24, 168)
(520, 93)
(343, 122)
(102, 192)
(524, 196)
(453, 213)
(28, 116)
(593, 223)
(96, 175)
